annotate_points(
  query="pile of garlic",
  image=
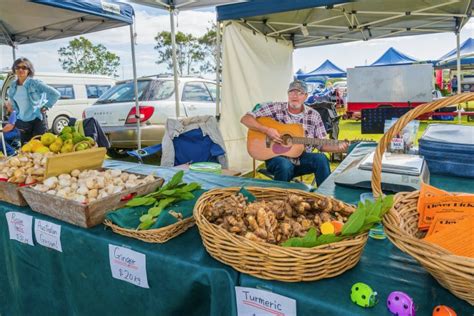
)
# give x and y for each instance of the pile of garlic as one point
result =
(26, 168)
(90, 185)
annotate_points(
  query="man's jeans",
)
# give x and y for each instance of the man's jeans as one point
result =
(9, 138)
(284, 170)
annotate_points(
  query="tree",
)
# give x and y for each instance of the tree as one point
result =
(192, 54)
(81, 56)
(208, 46)
(186, 51)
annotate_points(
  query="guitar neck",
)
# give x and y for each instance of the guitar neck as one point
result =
(315, 141)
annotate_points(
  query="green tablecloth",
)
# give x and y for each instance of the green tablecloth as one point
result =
(183, 278)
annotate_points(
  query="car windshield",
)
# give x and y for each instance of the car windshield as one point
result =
(124, 92)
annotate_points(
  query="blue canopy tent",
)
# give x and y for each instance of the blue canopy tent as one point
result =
(466, 51)
(26, 22)
(326, 69)
(394, 57)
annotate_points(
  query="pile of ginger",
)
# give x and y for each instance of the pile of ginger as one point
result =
(274, 221)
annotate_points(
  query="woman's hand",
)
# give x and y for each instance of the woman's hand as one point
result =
(44, 109)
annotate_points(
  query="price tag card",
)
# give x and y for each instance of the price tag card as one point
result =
(48, 234)
(20, 227)
(254, 302)
(397, 144)
(128, 265)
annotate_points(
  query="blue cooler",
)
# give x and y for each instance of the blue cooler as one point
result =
(449, 149)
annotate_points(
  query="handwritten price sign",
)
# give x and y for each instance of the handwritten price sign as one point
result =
(20, 226)
(128, 265)
(48, 234)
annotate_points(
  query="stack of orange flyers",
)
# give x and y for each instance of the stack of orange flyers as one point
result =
(457, 238)
(435, 202)
(449, 219)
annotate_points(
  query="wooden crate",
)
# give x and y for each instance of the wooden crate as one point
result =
(84, 215)
(9, 192)
(85, 159)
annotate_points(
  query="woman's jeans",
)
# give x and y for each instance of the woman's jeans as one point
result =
(30, 129)
(284, 170)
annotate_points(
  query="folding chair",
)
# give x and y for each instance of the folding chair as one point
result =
(186, 141)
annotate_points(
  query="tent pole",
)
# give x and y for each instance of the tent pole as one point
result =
(135, 87)
(218, 69)
(175, 66)
(458, 71)
(13, 53)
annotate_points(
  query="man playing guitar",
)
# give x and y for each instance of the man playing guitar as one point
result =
(294, 111)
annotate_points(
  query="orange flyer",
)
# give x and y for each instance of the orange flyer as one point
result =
(433, 202)
(440, 222)
(457, 238)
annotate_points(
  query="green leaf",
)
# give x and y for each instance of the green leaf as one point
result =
(168, 192)
(138, 201)
(355, 222)
(146, 218)
(155, 211)
(186, 196)
(386, 204)
(146, 225)
(309, 240)
(190, 187)
(177, 178)
(369, 222)
(327, 239)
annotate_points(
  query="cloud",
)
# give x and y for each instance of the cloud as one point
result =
(147, 25)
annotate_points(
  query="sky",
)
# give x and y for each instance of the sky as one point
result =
(150, 21)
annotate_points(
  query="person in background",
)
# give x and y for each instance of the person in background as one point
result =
(294, 111)
(10, 132)
(30, 99)
(454, 84)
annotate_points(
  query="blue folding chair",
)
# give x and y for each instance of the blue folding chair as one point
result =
(187, 141)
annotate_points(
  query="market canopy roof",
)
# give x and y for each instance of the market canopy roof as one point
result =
(466, 51)
(24, 22)
(327, 69)
(321, 22)
(393, 57)
(182, 4)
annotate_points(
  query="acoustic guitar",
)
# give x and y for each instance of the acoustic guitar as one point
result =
(262, 147)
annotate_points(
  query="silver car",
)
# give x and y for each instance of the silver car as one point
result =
(115, 109)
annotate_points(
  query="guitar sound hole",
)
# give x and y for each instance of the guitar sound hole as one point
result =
(287, 139)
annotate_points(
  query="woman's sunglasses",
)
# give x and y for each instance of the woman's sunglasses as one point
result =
(21, 67)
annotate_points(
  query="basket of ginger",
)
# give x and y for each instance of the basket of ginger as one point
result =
(285, 235)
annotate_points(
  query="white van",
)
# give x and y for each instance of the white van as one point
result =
(78, 91)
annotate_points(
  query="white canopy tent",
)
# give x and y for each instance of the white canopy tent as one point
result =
(299, 24)
(25, 22)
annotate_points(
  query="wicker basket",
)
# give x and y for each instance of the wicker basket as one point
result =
(159, 235)
(453, 272)
(272, 262)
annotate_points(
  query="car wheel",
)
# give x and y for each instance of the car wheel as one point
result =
(59, 123)
(117, 153)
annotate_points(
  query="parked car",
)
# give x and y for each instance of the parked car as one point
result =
(115, 109)
(78, 91)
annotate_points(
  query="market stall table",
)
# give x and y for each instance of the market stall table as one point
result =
(382, 266)
(183, 278)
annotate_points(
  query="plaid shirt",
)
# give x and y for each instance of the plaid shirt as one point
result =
(312, 123)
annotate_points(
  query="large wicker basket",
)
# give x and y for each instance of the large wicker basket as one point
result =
(272, 262)
(453, 272)
(159, 235)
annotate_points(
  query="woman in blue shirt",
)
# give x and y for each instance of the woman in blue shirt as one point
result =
(30, 98)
